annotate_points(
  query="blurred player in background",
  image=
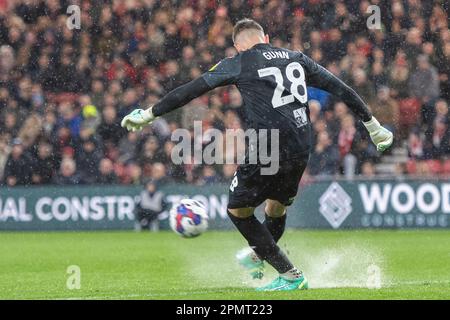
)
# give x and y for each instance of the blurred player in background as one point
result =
(151, 204)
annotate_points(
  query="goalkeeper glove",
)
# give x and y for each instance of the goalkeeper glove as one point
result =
(137, 119)
(380, 136)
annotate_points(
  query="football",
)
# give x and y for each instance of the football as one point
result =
(188, 218)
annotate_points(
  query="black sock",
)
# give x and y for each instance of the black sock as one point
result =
(275, 226)
(260, 239)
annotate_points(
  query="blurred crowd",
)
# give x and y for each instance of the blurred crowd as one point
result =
(63, 92)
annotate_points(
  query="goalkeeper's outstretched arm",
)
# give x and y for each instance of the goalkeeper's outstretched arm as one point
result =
(181, 96)
(223, 73)
(319, 77)
(171, 101)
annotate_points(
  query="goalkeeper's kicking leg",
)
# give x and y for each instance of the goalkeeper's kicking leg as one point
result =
(275, 222)
(275, 218)
(262, 241)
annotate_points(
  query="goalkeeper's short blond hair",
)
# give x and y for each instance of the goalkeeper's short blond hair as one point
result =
(244, 25)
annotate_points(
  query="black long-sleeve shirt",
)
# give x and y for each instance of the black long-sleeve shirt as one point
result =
(273, 83)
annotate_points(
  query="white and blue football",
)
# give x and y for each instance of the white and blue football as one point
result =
(189, 218)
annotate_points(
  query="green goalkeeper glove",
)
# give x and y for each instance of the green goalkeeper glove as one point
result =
(380, 136)
(137, 119)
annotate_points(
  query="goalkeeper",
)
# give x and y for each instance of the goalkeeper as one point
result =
(273, 83)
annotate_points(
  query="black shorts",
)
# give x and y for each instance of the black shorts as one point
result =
(249, 188)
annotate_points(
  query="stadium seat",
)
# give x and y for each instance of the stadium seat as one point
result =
(435, 166)
(446, 167)
(411, 166)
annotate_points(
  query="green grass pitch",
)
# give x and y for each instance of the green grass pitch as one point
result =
(126, 265)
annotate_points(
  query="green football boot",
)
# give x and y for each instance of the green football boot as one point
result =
(250, 261)
(282, 284)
